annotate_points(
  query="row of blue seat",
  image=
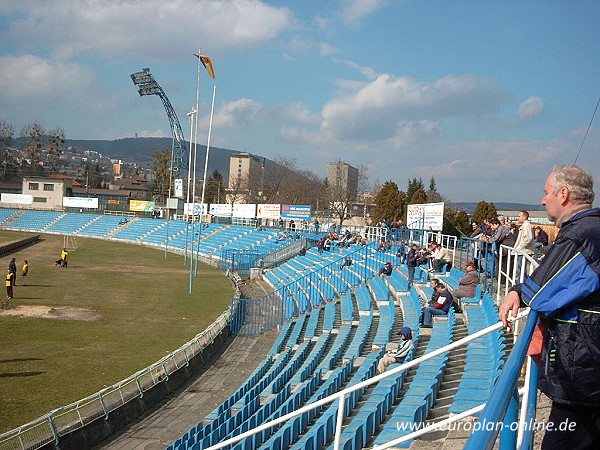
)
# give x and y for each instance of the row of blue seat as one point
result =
(346, 307)
(329, 316)
(70, 223)
(484, 357)
(286, 436)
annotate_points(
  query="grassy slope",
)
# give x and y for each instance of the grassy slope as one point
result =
(146, 308)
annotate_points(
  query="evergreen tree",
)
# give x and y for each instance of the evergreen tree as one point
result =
(418, 197)
(483, 211)
(215, 191)
(403, 201)
(413, 186)
(463, 223)
(388, 204)
(432, 186)
(433, 196)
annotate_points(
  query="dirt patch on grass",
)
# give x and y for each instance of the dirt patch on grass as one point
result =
(47, 312)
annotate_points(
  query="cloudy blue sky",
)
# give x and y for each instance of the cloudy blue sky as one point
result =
(484, 95)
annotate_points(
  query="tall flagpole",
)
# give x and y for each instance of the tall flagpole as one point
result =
(212, 109)
(195, 158)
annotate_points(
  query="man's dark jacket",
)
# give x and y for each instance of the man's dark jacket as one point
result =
(565, 290)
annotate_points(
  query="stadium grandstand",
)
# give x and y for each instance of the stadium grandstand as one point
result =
(293, 362)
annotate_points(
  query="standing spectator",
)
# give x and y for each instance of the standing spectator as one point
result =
(565, 291)
(64, 258)
(500, 234)
(24, 272)
(10, 279)
(320, 244)
(12, 267)
(477, 231)
(525, 238)
(402, 252)
(327, 243)
(411, 262)
(541, 240)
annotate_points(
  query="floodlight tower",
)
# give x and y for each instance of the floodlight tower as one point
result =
(147, 85)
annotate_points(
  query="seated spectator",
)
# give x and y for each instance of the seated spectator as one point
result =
(347, 262)
(467, 285)
(434, 282)
(440, 308)
(441, 257)
(302, 251)
(386, 270)
(384, 246)
(398, 355)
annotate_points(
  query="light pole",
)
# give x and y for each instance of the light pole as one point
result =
(191, 117)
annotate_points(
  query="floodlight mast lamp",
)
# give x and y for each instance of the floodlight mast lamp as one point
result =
(147, 85)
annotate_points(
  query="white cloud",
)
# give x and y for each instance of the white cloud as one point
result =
(326, 49)
(530, 108)
(245, 113)
(367, 72)
(155, 133)
(240, 113)
(155, 30)
(381, 105)
(355, 10)
(29, 76)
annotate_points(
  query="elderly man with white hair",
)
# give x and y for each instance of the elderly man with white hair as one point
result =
(565, 291)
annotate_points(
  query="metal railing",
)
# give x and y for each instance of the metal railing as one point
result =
(252, 317)
(50, 427)
(518, 266)
(341, 395)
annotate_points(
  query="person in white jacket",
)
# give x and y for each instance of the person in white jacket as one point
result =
(526, 237)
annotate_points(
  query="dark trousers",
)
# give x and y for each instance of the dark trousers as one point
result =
(573, 427)
(9, 291)
(411, 275)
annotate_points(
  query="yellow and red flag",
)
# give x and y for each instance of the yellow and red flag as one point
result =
(207, 63)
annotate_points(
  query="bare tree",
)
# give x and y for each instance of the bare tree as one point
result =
(32, 142)
(55, 147)
(160, 163)
(7, 131)
(238, 191)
